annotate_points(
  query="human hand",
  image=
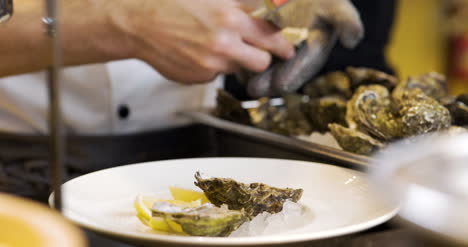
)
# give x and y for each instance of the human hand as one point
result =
(326, 20)
(191, 41)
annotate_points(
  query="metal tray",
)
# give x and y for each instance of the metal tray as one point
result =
(285, 146)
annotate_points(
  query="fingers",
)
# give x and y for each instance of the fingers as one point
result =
(263, 35)
(347, 22)
(248, 56)
(309, 60)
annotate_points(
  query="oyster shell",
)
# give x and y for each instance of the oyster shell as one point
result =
(432, 84)
(352, 140)
(370, 111)
(296, 122)
(332, 84)
(463, 98)
(268, 117)
(254, 198)
(288, 120)
(229, 108)
(205, 220)
(325, 110)
(421, 114)
(366, 76)
(459, 111)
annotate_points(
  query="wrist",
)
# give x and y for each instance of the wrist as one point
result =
(119, 22)
(89, 33)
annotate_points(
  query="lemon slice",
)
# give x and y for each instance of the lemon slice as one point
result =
(269, 4)
(143, 206)
(295, 35)
(188, 195)
(260, 12)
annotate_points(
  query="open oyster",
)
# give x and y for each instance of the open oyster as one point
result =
(332, 84)
(229, 108)
(370, 110)
(432, 84)
(325, 110)
(254, 198)
(366, 76)
(421, 114)
(205, 220)
(352, 140)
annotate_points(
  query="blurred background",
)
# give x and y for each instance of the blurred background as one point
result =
(432, 35)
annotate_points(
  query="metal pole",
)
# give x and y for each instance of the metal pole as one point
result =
(56, 149)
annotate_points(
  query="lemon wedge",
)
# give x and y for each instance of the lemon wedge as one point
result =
(295, 35)
(269, 4)
(187, 195)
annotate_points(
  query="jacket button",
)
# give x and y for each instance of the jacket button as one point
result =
(123, 111)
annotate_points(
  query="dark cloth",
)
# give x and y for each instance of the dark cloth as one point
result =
(24, 165)
(377, 17)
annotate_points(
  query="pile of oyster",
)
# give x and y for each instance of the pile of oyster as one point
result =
(364, 109)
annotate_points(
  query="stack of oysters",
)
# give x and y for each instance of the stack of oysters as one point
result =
(364, 109)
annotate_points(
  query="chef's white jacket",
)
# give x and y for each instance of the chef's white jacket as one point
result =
(119, 97)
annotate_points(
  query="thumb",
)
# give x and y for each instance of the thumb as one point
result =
(347, 22)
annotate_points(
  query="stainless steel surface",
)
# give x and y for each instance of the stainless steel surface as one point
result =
(428, 177)
(350, 160)
(6, 10)
(55, 126)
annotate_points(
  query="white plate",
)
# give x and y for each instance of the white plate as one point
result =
(340, 199)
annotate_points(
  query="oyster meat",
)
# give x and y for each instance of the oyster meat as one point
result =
(332, 84)
(205, 220)
(352, 140)
(432, 84)
(421, 114)
(325, 110)
(366, 76)
(370, 111)
(254, 198)
(229, 108)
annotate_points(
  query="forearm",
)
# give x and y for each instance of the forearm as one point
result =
(87, 33)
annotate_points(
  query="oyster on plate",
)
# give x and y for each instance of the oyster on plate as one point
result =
(366, 76)
(421, 114)
(229, 108)
(354, 141)
(332, 84)
(205, 220)
(324, 111)
(432, 84)
(254, 198)
(370, 111)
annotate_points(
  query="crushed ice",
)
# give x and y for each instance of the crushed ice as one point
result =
(292, 216)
